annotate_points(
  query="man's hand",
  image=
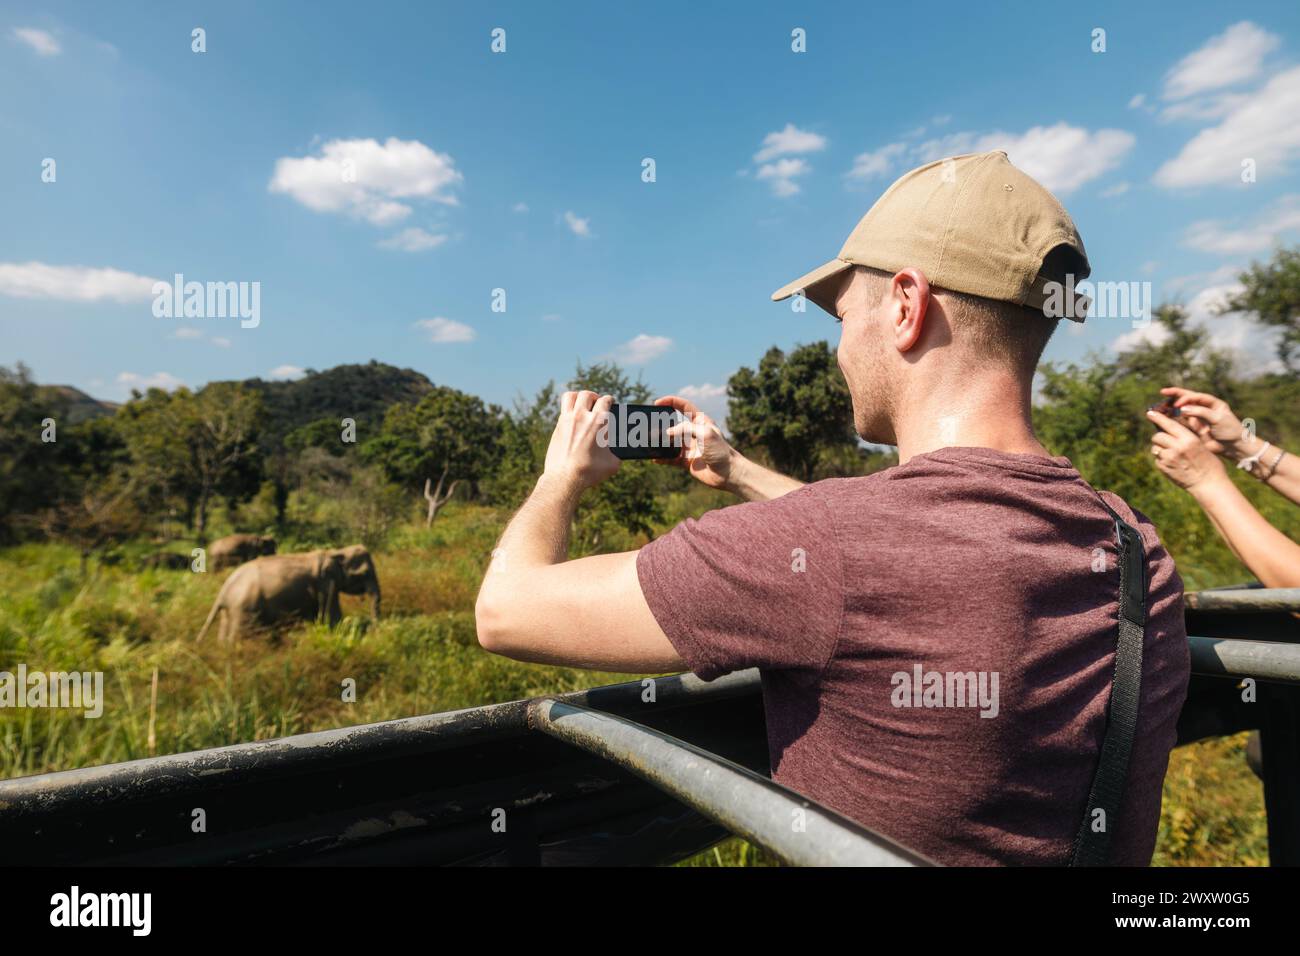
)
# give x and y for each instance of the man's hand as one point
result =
(709, 457)
(575, 458)
(1183, 456)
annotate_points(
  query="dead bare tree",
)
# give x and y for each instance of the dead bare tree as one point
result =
(437, 499)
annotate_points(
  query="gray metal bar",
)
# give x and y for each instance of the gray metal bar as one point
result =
(1245, 600)
(754, 807)
(1263, 660)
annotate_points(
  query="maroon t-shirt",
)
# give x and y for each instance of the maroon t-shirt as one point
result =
(936, 643)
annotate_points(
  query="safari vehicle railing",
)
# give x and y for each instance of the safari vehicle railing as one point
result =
(641, 772)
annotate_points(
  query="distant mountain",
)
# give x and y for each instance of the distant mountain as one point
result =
(359, 392)
(77, 406)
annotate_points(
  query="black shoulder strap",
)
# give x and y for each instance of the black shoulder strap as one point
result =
(1092, 843)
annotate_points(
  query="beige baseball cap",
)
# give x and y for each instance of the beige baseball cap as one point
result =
(973, 224)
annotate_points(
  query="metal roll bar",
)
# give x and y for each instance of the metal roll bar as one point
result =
(1245, 600)
(791, 827)
(1262, 660)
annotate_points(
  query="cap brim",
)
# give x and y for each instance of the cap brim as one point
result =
(807, 282)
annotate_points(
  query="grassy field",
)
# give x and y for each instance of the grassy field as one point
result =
(422, 657)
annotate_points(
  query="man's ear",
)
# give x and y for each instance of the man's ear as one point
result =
(909, 301)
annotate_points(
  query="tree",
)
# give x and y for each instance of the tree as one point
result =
(31, 473)
(795, 408)
(197, 446)
(525, 433)
(1271, 293)
(447, 435)
(607, 378)
(101, 512)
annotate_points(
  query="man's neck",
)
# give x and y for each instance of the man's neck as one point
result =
(987, 412)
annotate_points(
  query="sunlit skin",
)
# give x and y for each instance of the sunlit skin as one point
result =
(910, 387)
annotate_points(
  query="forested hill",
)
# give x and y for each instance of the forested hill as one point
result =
(360, 392)
(74, 404)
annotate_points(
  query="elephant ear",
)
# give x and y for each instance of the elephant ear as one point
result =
(334, 565)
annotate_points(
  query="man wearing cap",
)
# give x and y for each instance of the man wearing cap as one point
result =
(974, 653)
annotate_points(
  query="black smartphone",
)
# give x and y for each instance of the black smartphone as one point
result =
(641, 432)
(1167, 408)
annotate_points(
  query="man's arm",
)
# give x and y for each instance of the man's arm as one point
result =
(537, 606)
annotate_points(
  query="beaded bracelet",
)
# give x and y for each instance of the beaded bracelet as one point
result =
(1276, 461)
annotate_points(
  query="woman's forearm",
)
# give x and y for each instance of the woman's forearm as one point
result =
(1284, 478)
(1269, 554)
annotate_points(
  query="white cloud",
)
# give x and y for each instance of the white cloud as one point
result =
(1203, 107)
(367, 179)
(413, 240)
(1118, 189)
(519, 207)
(1254, 346)
(1261, 127)
(164, 380)
(782, 174)
(1228, 59)
(790, 140)
(1210, 235)
(444, 331)
(641, 349)
(285, 372)
(37, 280)
(1152, 335)
(1222, 275)
(710, 399)
(40, 41)
(1137, 101)
(189, 334)
(580, 226)
(1061, 157)
(876, 163)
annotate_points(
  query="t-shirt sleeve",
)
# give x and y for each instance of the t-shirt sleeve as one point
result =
(752, 585)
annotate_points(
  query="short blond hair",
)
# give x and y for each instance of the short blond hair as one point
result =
(990, 329)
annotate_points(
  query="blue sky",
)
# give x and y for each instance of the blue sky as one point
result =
(522, 171)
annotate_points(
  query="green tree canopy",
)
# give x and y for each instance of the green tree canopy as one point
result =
(1271, 294)
(795, 407)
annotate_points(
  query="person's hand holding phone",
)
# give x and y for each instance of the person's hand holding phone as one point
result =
(575, 456)
(1211, 420)
(708, 456)
(1182, 455)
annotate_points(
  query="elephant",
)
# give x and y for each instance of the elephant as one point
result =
(237, 548)
(274, 589)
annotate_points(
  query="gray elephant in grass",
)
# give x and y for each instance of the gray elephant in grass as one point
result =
(235, 549)
(286, 588)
